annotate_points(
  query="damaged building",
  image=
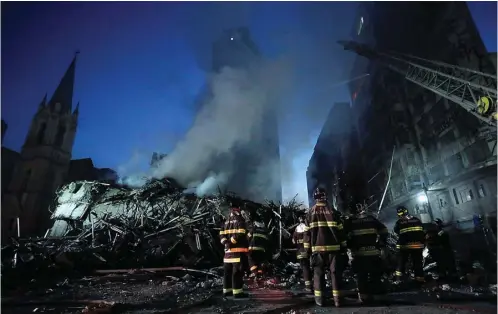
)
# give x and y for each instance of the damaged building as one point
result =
(444, 165)
(331, 152)
(110, 225)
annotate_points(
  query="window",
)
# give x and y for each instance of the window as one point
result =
(481, 191)
(455, 196)
(448, 138)
(59, 139)
(41, 133)
(465, 194)
(442, 203)
(360, 26)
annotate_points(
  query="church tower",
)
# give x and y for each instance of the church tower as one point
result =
(44, 159)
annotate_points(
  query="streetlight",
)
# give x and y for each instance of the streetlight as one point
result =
(423, 199)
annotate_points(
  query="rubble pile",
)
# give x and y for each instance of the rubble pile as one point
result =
(97, 225)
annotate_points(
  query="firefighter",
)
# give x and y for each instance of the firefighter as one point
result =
(303, 246)
(233, 236)
(411, 238)
(328, 244)
(438, 243)
(258, 246)
(366, 237)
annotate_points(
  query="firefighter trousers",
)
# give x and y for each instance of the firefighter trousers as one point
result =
(233, 278)
(444, 260)
(256, 260)
(305, 268)
(417, 262)
(368, 271)
(320, 262)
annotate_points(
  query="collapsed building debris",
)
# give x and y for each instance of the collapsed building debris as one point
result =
(108, 227)
(98, 225)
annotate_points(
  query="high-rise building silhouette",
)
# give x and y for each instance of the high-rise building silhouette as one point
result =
(256, 164)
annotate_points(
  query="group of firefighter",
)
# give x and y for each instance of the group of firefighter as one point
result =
(323, 238)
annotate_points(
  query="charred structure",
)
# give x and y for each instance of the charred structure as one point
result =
(444, 164)
(105, 225)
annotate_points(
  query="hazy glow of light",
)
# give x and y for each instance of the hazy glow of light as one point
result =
(231, 38)
(422, 198)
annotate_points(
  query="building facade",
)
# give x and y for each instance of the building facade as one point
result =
(333, 157)
(444, 165)
(256, 165)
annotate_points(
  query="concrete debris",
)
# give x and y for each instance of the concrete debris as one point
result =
(158, 246)
(102, 226)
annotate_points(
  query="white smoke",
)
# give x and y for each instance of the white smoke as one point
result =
(231, 118)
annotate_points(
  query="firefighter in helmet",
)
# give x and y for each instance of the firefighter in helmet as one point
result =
(366, 237)
(233, 236)
(302, 245)
(328, 244)
(411, 238)
(258, 246)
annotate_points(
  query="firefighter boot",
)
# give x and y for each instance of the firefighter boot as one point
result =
(363, 298)
(337, 301)
(319, 301)
(242, 295)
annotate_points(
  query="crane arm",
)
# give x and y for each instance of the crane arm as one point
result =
(472, 90)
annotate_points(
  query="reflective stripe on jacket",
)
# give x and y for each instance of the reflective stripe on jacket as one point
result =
(234, 233)
(410, 233)
(258, 239)
(325, 229)
(301, 240)
(365, 232)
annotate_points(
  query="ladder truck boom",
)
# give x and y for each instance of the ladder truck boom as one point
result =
(473, 90)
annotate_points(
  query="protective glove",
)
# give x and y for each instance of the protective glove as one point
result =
(227, 246)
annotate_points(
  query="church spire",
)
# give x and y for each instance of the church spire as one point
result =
(43, 102)
(64, 92)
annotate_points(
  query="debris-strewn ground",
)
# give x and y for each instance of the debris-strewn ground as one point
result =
(175, 291)
(98, 258)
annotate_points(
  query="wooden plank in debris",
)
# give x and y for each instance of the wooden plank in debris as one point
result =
(175, 268)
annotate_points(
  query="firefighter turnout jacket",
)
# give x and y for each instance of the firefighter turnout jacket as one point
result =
(325, 230)
(301, 240)
(410, 233)
(365, 232)
(258, 237)
(234, 233)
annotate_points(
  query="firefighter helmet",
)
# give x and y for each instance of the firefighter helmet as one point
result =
(320, 194)
(402, 211)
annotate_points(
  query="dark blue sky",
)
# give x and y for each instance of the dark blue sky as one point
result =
(140, 65)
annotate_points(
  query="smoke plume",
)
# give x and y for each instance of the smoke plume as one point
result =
(300, 87)
(230, 118)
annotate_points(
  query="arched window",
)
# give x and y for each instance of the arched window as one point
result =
(59, 139)
(41, 133)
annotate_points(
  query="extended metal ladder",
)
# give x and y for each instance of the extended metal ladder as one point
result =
(474, 91)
